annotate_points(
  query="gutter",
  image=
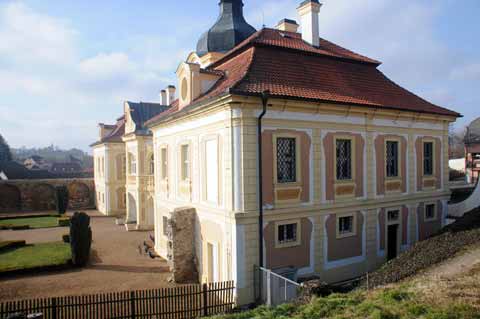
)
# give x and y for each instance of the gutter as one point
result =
(265, 97)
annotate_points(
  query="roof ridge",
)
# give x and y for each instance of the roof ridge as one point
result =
(247, 70)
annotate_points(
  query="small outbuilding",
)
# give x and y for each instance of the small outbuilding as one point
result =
(472, 151)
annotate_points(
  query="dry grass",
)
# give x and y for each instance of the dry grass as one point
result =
(463, 288)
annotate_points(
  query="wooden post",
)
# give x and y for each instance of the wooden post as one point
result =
(205, 300)
(132, 304)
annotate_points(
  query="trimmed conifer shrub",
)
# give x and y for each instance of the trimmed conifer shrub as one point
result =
(80, 238)
(62, 199)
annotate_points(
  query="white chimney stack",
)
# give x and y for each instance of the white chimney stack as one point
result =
(308, 12)
(163, 97)
(170, 94)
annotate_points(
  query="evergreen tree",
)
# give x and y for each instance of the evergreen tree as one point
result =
(5, 153)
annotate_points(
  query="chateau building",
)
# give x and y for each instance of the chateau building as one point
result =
(353, 168)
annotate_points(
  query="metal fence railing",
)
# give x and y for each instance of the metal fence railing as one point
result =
(273, 289)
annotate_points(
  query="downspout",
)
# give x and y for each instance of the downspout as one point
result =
(265, 97)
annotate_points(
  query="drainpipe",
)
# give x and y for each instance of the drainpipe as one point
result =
(265, 97)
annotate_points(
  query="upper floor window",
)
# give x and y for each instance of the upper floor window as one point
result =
(185, 162)
(102, 167)
(164, 163)
(211, 171)
(392, 159)
(286, 160)
(428, 158)
(344, 159)
(132, 164)
(121, 166)
(151, 165)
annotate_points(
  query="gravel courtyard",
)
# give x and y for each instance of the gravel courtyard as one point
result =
(116, 264)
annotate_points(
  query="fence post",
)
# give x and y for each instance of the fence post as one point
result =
(269, 288)
(205, 300)
(54, 308)
(132, 304)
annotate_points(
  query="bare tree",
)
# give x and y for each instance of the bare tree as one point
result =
(456, 140)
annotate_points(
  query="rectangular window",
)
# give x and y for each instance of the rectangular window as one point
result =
(287, 233)
(164, 163)
(344, 159)
(428, 158)
(430, 212)
(286, 160)
(165, 225)
(185, 155)
(133, 164)
(151, 162)
(392, 159)
(211, 170)
(345, 225)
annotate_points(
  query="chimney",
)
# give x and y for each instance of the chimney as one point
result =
(308, 12)
(170, 94)
(287, 25)
(163, 97)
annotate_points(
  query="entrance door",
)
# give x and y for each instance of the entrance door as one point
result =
(392, 242)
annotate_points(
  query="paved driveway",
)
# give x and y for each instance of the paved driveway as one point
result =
(116, 264)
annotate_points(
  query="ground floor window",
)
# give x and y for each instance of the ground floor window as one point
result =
(346, 225)
(287, 234)
(430, 212)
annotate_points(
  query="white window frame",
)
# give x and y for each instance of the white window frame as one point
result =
(399, 159)
(352, 233)
(425, 141)
(298, 161)
(353, 165)
(164, 163)
(185, 175)
(288, 244)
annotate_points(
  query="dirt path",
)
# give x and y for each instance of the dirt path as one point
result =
(454, 267)
(117, 265)
(457, 279)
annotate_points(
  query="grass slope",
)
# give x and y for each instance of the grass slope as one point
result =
(398, 303)
(451, 241)
(33, 222)
(32, 256)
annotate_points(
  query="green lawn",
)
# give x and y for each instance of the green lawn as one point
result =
(382, 304)
(38, 255)
(33, 222)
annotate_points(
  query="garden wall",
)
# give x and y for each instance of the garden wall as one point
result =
(39, 195)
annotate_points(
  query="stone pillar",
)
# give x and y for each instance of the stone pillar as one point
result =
(180, 247)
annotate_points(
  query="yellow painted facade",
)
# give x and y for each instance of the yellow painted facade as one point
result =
(232, 223)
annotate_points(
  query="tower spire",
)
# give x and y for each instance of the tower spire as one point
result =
(229, 30)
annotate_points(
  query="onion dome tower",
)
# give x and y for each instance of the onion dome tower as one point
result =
(229, 30)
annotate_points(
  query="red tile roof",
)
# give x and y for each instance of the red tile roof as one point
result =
(116, 135)
(288, 67)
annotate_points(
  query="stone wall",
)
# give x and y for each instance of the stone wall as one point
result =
(39, 195)
(181, 245)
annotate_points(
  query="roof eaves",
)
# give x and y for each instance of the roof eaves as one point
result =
(186, 110)
(376, 106)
